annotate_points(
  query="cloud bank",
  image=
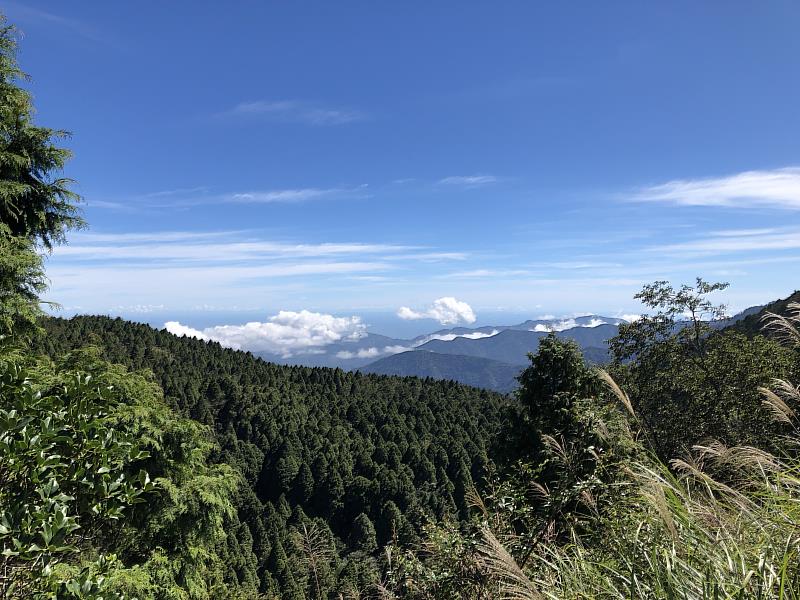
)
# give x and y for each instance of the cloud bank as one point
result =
(449, 337)
(372, 352)
(567, 324)
(284, 334)
(447, 311)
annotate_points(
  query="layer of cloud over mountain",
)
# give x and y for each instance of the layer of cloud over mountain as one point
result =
(285, 334)
(316, 339)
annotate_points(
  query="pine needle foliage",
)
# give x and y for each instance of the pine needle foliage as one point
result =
(36, 202)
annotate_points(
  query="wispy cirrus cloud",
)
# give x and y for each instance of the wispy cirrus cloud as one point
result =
(487, 273)
(171, 247)
(777, 188)
(295, 111)
(469, 180)
(202, 196)
(294, 195)
(735, 241)
(82, 238)
(109, 205)
(201, 189)
(433, 257)
(298, 195)
(28, 14)
(185, 267)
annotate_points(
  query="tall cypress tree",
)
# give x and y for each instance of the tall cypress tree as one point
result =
(37, 206)
(35, 202)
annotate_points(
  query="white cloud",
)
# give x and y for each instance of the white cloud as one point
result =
(114, 206)
(137, 308)
(201, 189)
(371, 352)
(469, 180)
(20, 13)
(193, 197)
(218, 247)
(732, 241)
(447, 311)
(296, 112)
(183, 268)
(481, 273)
(176, 328)
(286, 333)
(777, 188)
(396, 349)
(362, 353)
(433, 257)
(266, 197)
(564, 324)
(585, 265)
(449, 337)
(632, 318)
(93, 237)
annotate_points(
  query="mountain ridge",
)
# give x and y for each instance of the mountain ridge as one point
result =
(468, 370)
(356, 353)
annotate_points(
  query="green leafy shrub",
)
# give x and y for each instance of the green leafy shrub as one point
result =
(66, 475)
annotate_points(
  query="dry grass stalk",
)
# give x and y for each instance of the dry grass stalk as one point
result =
(616, 390)
(514, 584)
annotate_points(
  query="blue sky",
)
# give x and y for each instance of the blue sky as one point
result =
(353, 158)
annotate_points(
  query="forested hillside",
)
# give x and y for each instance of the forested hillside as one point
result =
(675, 478)
(470, 370)
(753, 324)
(373, 457)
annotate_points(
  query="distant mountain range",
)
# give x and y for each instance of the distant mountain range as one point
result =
(506, 343)
(488, 357)
(489, 362)
(471, 370)
(513, 345)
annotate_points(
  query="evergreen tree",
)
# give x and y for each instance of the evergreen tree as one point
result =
(35, 203)
(549, 387)
(363, 536)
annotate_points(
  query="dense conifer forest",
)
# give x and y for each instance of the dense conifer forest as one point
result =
(137, 464)
(365, 457)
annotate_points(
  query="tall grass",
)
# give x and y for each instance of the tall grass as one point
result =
(721, 523)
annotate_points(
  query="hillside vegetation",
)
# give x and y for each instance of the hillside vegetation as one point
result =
(590, 509)
(469, 370)
(753, 324)
(362, 457)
